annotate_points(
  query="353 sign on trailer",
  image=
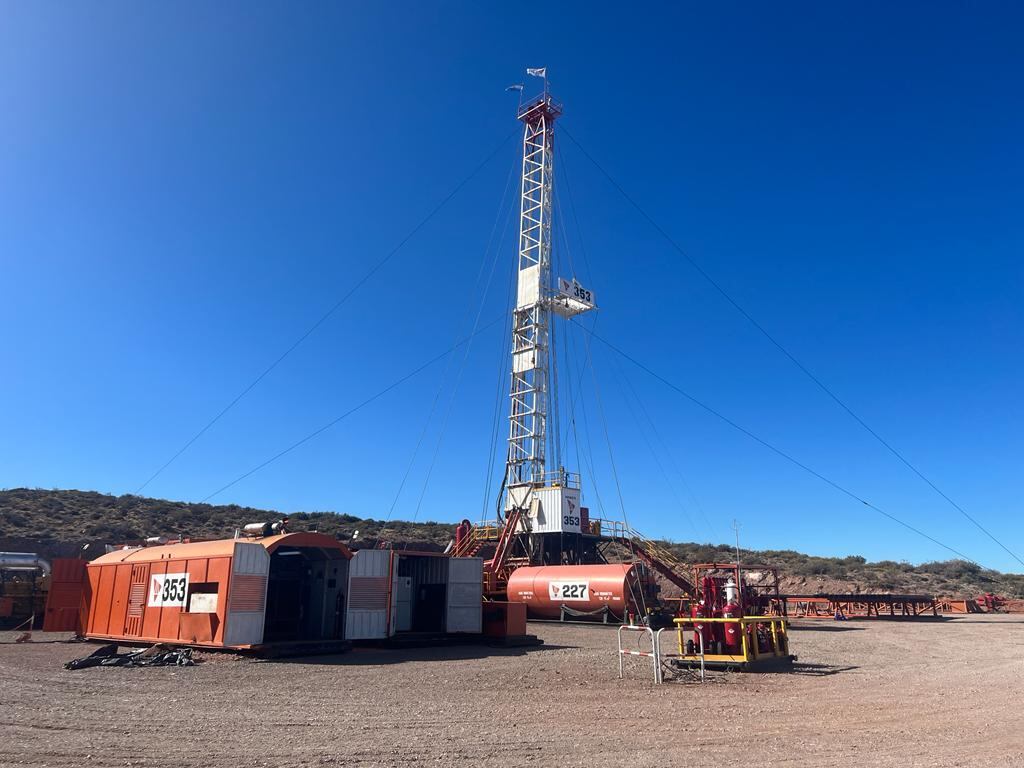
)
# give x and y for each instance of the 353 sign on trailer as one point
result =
(167, 590)
(566, 591)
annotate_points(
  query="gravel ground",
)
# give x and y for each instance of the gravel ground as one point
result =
(945, 693)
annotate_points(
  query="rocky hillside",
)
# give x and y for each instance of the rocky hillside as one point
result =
(61, 523)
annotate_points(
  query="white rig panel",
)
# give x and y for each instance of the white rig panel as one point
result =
(556, 510)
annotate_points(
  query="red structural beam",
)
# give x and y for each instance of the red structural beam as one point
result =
(851, 606)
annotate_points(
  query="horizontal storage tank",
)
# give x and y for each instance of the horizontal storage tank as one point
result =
(585, 591)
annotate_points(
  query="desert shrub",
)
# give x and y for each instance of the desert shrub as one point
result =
(15, 519)
(952, 569)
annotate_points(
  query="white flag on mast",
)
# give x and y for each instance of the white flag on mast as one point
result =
(538, 72)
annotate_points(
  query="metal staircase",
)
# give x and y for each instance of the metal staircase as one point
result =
(661, 560)
(655, 556)
(499, 535)
(479, 537)
(498, 563)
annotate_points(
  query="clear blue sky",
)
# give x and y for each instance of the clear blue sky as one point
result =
(185, 189)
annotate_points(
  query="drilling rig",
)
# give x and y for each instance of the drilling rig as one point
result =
(543, 548)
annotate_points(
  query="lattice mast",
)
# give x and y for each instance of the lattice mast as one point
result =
(531, 318)
(536, 299)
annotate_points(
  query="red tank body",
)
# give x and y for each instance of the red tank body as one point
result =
(582, 588)
(731, 631)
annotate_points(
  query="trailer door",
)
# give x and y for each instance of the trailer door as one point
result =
(465, 594)
(64, 602)
(247, 594)
(369, 580)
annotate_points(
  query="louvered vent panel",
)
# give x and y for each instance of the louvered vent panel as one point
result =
(248, 592)
(136, 600)
(368, 593)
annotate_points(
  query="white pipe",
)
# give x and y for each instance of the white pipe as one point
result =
(24, 560)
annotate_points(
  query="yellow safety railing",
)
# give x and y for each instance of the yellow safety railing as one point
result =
(478, 534)
(750, 646)
(662, 553)
(616, 529)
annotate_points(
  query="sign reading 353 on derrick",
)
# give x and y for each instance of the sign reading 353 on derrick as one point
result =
(574, 290)
(167, 589)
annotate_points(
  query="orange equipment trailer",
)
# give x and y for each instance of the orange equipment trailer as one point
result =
(231, 593)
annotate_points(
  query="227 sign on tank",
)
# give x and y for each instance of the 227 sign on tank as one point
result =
(569, 590)
(167, 589)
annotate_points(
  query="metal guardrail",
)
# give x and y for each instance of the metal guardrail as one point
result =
(662, 656)
(528, 106)
(616, 529)
(561, 479)
(655, 555)
(654, 654)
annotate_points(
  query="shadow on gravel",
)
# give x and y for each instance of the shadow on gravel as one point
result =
(825, 628)
(827, 625)
(991, 623)
(360, 656)
(819, 670)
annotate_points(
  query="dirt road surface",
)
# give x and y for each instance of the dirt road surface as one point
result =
(947, 693)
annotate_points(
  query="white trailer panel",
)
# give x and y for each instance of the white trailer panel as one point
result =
(369, 579)
(247, 595)
(465, 595)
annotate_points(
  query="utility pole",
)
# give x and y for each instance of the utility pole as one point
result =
(739, 573)
(736, 528)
